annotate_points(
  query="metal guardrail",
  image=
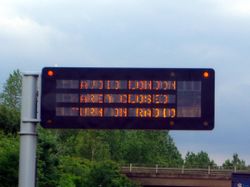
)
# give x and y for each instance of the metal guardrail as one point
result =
(178, 171)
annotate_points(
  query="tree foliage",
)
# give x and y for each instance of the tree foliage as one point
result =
(123, 146)
(91, 145)
(199, 160)
(10, 101)
(78, 172)
(235, 162)
(84, 166)
(8, 160)
(107, 174)
(73, 171)
(9, 120)
(11, 95)
(48, 158)
(151, 147)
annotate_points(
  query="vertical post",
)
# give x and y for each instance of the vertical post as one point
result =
(182, 169)
(130, 168)
(156, 168)
(28, 135)
(235, 168)
(209, 170)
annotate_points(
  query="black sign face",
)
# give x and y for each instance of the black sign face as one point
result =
(128, 98)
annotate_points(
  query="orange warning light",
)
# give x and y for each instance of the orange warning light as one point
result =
(50, 73)
(205, 123)
(205, 74)
(171, 123)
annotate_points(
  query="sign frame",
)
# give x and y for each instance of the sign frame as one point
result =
(48, 101)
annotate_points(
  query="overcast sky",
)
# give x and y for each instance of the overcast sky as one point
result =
(143, 33)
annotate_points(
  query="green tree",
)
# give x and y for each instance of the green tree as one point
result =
(48, 152)
(199, 160)
(9, 120)
(11, 96)
(73, 171)
(8, 160)
(107, 174)
(78, 172)
(116, 140)
(235, 162)
(140, 147)
(68, 140)
(10, 101)
(151, 147)
(91, 145)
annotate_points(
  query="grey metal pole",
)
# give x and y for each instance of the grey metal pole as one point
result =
(28, 135)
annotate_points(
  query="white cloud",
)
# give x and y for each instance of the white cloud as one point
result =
(23, 35)
(237, 8)
(21, 27)
(203, 50)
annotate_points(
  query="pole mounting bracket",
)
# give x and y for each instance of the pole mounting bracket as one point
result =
(31, 120)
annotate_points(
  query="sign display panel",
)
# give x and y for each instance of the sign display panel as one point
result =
(127, 98)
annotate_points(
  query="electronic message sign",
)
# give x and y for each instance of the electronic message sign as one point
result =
(127, 98)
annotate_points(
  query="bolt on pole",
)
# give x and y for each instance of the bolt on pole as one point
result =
(28, 134)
